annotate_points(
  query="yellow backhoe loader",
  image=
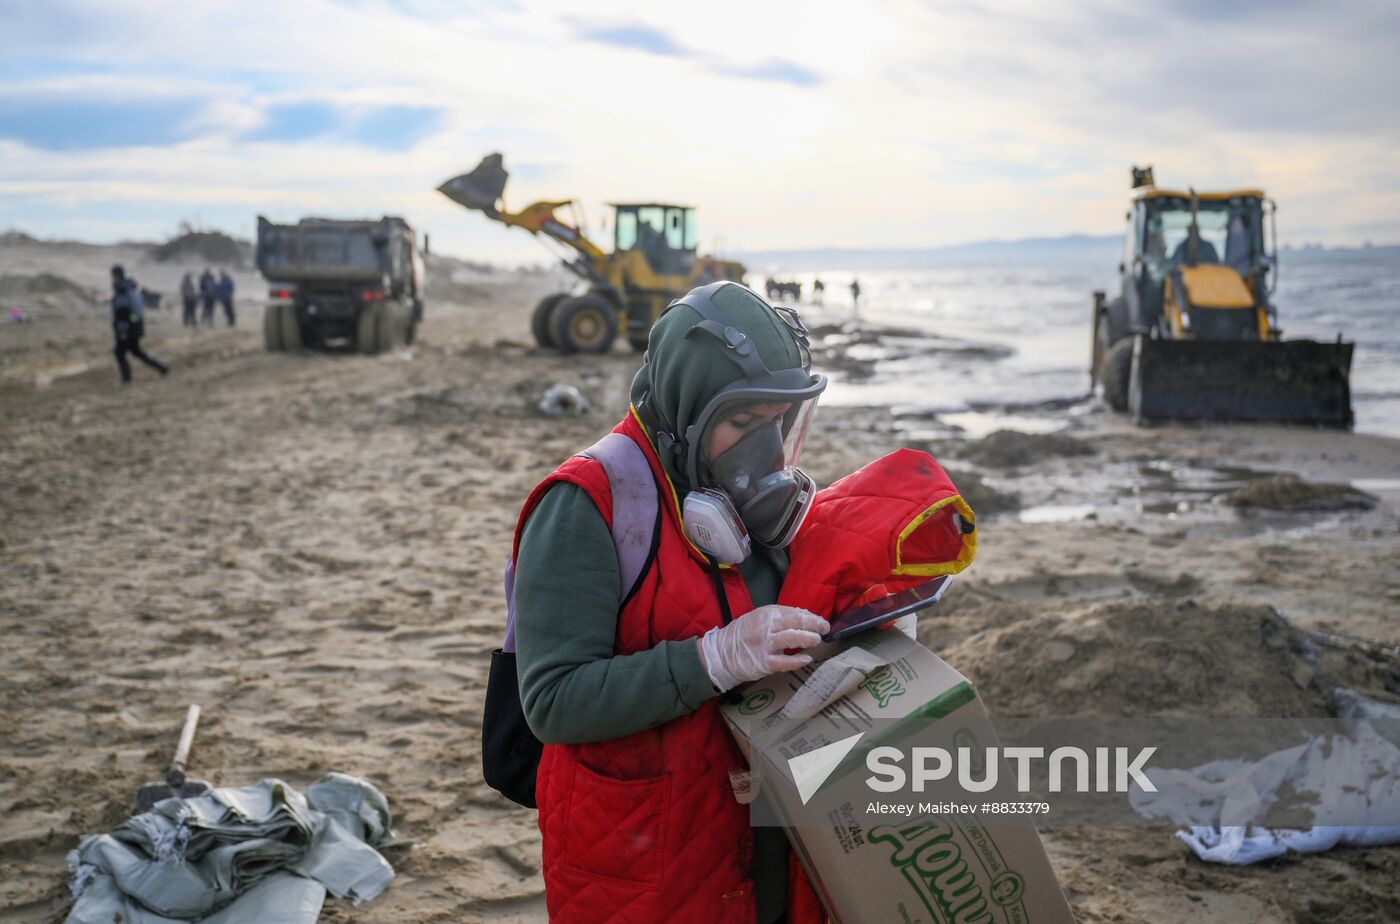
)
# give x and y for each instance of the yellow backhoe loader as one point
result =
(653, 261)
(1193, 334)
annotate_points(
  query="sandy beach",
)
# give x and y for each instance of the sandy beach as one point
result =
(310, 546)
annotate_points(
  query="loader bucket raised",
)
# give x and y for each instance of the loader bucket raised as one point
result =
(1290, 381)
(482, 188)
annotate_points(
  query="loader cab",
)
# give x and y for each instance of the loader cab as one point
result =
(1230, 232)
(665, 234)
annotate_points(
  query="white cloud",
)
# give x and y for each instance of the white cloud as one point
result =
(931, 123)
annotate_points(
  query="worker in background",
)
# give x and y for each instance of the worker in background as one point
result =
(207, 293)
(189, 294)
(225, 292)
(128, 325)
(633, 785)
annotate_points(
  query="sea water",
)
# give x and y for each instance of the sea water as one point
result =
(992, 341)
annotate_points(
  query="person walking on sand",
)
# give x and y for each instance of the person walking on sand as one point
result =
(855, 297)
(225, 292)
(633, 788)
(189, 294)
(207, 293)
(128, 324)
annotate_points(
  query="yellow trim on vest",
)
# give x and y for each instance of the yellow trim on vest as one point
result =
(934, 569)
(675, 498)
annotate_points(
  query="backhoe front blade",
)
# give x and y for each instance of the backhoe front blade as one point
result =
(1290, 381)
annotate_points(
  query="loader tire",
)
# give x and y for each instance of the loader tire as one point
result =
(367, 329)
(541, 322)
(290, 326)
(639, 319)
(586, 324)
(272, 328)
(1117, 371)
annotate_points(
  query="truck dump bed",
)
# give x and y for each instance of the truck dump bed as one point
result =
(326, 250)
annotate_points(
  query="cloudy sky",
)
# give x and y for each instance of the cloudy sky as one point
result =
(869, 124)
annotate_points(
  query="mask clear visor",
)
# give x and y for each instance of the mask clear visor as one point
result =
(751, 437)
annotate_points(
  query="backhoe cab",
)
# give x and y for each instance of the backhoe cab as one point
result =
(654, 260)
(1194, 333)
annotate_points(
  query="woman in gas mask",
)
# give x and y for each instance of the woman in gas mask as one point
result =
(622, 684)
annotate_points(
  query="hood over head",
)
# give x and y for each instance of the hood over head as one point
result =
(683, 372)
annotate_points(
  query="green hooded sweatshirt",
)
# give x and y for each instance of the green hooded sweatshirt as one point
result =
(572, 686)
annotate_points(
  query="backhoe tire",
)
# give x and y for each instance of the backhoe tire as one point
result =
(1117, 370)
(586, 324)
(272, 328)
(638, 342)
(541, 321)
(290, 327)
(368, 327)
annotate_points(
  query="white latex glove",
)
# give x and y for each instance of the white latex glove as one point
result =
(752, 646)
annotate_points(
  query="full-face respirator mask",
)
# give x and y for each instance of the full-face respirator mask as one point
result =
(740, 455)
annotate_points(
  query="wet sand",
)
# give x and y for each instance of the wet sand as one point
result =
(310, 547)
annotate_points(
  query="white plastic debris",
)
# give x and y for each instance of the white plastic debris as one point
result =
(1352, 784)
(562, 400)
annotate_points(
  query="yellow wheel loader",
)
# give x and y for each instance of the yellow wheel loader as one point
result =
(1193, 334)
(653, 261)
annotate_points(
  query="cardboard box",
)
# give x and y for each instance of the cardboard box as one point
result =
(904, 869)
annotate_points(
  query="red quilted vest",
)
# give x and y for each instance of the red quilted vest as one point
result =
(645, 829)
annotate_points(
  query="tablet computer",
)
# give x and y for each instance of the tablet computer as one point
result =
(888, 609)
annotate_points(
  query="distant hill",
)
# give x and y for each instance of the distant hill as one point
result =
(1082, 249)
(1075, 247)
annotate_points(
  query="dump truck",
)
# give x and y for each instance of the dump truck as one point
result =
(350, 283)
(654, 260)
(1193, 333)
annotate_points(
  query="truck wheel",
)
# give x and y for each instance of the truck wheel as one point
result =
(290, 325)
(367, 328)
(586, 324)
(393, 323)
(272, 328)
(540, 321)
(1117, 369)
(637, 343)
(410, 331)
